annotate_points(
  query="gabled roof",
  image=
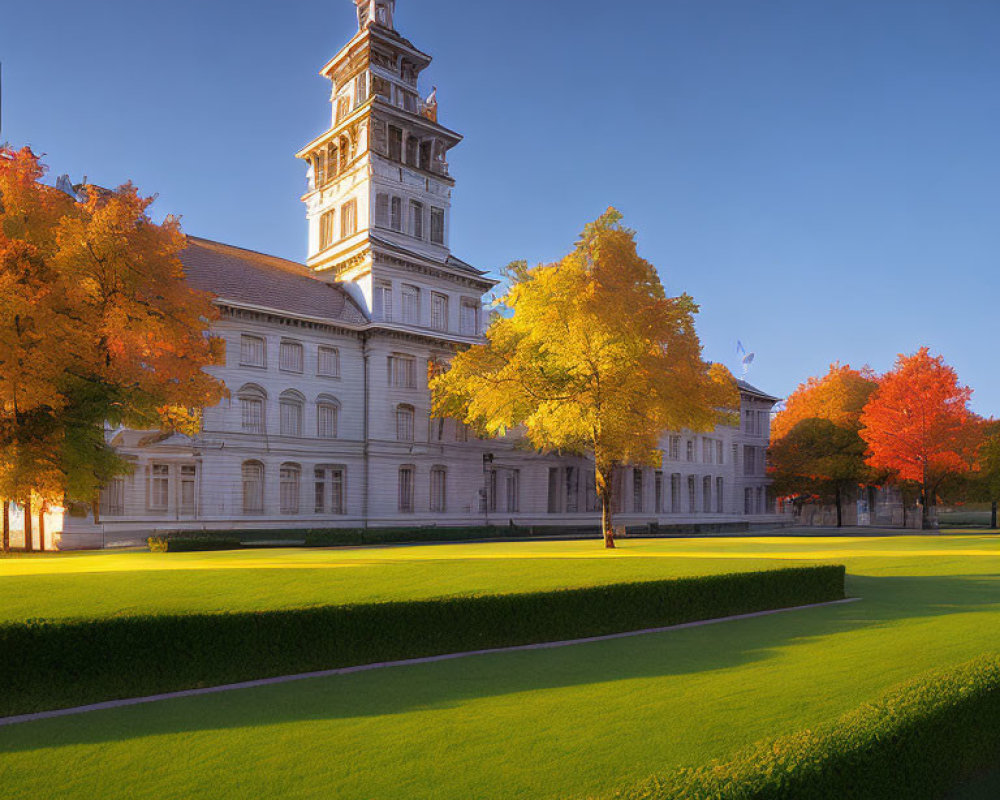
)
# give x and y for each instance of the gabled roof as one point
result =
(248, 278)
(747, 388)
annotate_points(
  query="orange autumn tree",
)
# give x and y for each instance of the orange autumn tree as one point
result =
(816, 449)
(919, 425)
(589, 356)
(98, 326)
(838, 397)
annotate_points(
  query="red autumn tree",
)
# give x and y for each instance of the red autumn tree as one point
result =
(918, 424)
(97, 325)
(838, 397)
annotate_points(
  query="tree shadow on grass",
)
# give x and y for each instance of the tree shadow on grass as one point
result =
(886, 602)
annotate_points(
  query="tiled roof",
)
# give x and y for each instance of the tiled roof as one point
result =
(245, 277)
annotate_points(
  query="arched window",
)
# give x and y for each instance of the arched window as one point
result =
(253, 487)
(404, 423)
(291, 405)
(290, 483)
(253, 405)
(327, 417)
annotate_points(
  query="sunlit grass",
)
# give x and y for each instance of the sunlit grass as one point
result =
(547, 724)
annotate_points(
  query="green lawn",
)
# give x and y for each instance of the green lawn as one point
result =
(544, 724)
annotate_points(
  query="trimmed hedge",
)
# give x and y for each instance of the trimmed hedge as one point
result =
(60, 663)
(917, 741)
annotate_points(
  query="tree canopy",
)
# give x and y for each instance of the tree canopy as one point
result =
(589, 355)
(918, 424)
(98, 326)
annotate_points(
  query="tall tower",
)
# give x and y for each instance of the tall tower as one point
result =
(379, 192)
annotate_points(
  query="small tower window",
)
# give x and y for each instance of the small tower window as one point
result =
(348, 219)
(326, 229)
(437, 225)
(412, 146)
(416, 219)
(396, 214)
(425, 155)
(395, 143)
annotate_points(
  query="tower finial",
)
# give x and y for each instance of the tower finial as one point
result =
(375, 12)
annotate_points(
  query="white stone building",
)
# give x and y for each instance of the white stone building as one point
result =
(328, 424)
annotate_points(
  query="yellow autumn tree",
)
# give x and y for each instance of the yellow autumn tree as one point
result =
(589, 355)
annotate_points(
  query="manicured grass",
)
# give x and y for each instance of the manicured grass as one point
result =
(559, 723)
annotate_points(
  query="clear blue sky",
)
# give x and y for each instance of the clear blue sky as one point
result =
(823, 177)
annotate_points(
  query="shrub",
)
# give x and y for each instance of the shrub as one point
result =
(177, 544)
(916, 741)
(51, 664)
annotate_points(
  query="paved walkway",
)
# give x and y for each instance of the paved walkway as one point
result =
(111, 704)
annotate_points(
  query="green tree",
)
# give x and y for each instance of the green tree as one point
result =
(589, 356)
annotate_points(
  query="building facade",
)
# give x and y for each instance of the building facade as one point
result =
(328, 422)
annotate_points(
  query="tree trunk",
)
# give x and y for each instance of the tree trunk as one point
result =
(6, 526)
(603, 481)
(96, 508)
(840, 510)
(29, 543)
(925, 509)
(41, 527)
(993, 515)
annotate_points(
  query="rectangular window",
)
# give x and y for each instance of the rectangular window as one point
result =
(492, 484)
(706, 494)
(719, 451)
(748, 500)
(706, 451)
(348, 219)
(439, 489)
(412, 151)
(675, 493)
(416, 219)
(329, 490)
(253, 488)
(291, 356)
(253, 351)
(658, 486)
(437, 225)
(396, 214)
(189, 475)
(404, 424)
(425, 156)
(749, 460)
(637, 491)
(406, 490)
(289, 479)
(159, 487)
(692, 495)
(439, 312)
(762, 424)
(719, 495)
(402, 372)
(690, 449)
(470, 318)
(328, 362)
(675, 448)
(113, 498)
(553, 506)
(736, 455)
(411, 304)
(761, 503)
(382, 302)
(748, 419)
(513, 487)
(327, 229)
(382, 210)
(395, 143)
